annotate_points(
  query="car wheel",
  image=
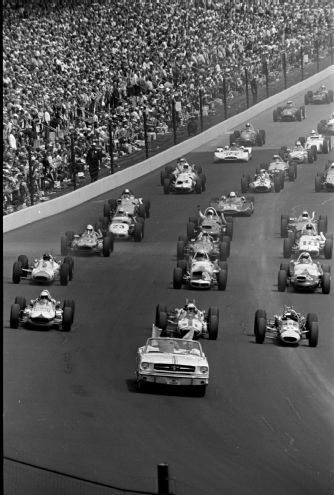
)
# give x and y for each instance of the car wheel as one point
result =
(63, 246)
(287, 248)
(69, 303)
(17, 272)
(160, 308)
(64, 273)
(229, 227)
(166, 186)
(23, 259)
(222, 279)
(69, 261)
(163, 320)
(190, 230)
(106, 209)
(326, 283)
(213, 327)
(14, 318)
(21, 301)
(284, 225)
(277, 184)
(291, 173)
(147, 206)
(180, 250)
(328, 248)
(177, 278)
(223, 251)
(138, 232)
(67, 319)
(313, 334)
(260, 325)
(282, 278)
(317, 184)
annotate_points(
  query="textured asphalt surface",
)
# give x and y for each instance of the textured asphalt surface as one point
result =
(266, 423)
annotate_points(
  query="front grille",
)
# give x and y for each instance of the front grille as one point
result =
(174, 367)
(40, 319)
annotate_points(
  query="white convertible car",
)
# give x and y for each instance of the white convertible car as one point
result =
(232, 154)
(171, 361)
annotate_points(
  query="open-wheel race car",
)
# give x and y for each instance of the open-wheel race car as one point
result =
(325, 181)
(234, 204)
(304, 274)
(42, 312)
(166, 361)
(199, 272)
(123, 224)
(300, 154)
(289, 327)
(216, 249)
(44, 270)
(293, 226)
(326, 127)
(88, 242)
(248, 136)
(321, 95)
(290, 112)
(188, 322)
(128, 202)
(309, 241)
(262, 182)
(281, 166)
(184, 178)
(232, 154)
(322, 143)
(211, 222)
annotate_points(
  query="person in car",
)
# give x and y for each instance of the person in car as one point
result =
(91, 232)
(232, 195)
(299, 146)
(45, 296)
(305, 258)
(204, 236)
(127, 194)
(306, 216)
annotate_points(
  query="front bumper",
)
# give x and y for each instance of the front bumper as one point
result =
(187, 381)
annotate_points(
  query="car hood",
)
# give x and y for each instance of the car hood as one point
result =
(175, 359)
(41, 310)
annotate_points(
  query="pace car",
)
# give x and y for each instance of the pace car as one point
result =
(234, 204)
(128, 202)
(309, 241)
(216, 249)
(300, 154)
(232, 154)
(289, 327)
(199, 272)
(262, 182)
(88, 242)
(325, 181)
(322, 143)
(172, 361)
(42, 312)
(289, 113)
(248, 136)
(304, 274)
(44, 270)
(326, 127)
(321, 95)
(188, 322)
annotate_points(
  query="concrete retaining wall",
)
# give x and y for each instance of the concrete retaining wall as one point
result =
(57, 205)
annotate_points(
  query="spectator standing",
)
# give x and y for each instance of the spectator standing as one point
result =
(93, 159)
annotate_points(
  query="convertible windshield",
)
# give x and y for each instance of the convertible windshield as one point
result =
(173, 346)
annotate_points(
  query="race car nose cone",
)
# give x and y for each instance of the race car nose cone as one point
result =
(289, 337)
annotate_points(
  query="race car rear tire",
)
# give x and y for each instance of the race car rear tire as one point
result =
(163, 176)
(67, 319)
(147, 206)
(222, 279)
(138, 232)
(64, 273)
(309, 318)
(63, 246)
(190, 230)
(183, 238)
(21, 301)
(106, 246)
(285, 266)
(284, 225)
(275, 115)
(244, 184)
(183, 265)
(315, 153)
(198, 169)
(223, 251)
(23, 259)
(180, 250)
(328, 249)
(331, 95)
(213, 327)
(14, 318)
(203, 179)
(194, 220)
(69, 303)
(291, 173)
(260, 325)
(141, 211)
(229, 227)
(160, 308)
(166, 186)
(177, 278)
(163, 321)
(287, 247)
(326, 283)
(325, 147)
(69, 260)
(322, 224)
(317, 184)
(313, 334)
(199, 186)
(227, 240)
(281, 282)
(277, 184)
(17, 272)
(310, 156)
(106, 209)
(213, 310)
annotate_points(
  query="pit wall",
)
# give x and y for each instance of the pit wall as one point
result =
(75, 198)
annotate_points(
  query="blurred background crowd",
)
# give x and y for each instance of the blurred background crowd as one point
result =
(72, 68)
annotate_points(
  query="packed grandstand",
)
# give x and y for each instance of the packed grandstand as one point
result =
(70, 67)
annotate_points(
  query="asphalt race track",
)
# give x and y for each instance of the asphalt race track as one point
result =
(266, 424)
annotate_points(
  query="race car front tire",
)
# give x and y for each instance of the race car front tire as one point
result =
(222, 279)
(281, 282)
(23, 259)
(328, 248)
(213, 327)
(313, 334)
(17, 272)
(260, 324)
(326, 283)
(14, 318)
(287, 248)
(180, 250)
(284, 225)
(64, 273)
(138, 232)
(166, 186)
(67, 319)
(69, 303)
(21, 301)
(177, 278)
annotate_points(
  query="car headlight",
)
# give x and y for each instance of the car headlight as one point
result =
(144, 365)
(203, 369)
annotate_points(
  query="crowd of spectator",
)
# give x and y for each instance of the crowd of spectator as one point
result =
(71, 67)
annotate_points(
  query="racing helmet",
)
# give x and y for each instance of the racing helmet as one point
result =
(181, 161)
(200, 255)
(322, 86)
(45, 295)
(305, 214)
(291, 315)
(234, 144)
(309, 226)
(191, 308)
(47, 257)
(126, 193)
(247, 125)
(232, 195)
(262, 171)
(210, 212)
(277, 158)
(304, 257)
(120, 212)
(226, 147)
(289, 103)
(89, 229)
(298, 143)
(313, 132)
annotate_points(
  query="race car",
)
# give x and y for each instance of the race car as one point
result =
(187, 322)
(185, 178)
(300, 154)
(322, 143)
(326, 127)
(304, 274)
(216, 249)
(123, 225)
(232, 154)
(172, 362)
(281, 167)
(248, 136)
(325, 181)
(234, 204)
(293, 226)
(289, 113)
(321, 95)
(128, 202)
(42, 312)
(44, 270)
(309, 241)
(212, 223)
(289, 327)
(262, 182)
(88, 242)
(199, 272)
